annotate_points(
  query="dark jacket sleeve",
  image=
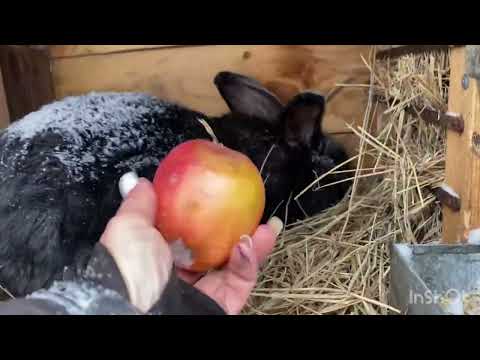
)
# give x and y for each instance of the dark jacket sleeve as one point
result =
(100, 290)
(181, 298)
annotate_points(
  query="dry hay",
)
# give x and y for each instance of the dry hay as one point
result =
(338, 262)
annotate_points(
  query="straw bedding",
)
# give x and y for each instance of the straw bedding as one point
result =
(338, 262)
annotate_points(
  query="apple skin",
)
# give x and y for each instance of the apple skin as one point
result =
(208, 196)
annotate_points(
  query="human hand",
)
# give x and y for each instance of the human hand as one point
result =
(139, 250)
(145, 260)
(231, 285)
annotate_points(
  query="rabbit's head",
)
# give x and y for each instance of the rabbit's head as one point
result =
(287, 143)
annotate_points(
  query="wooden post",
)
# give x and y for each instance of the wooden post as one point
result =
(463, 152)
(27, 80)
(4, 114)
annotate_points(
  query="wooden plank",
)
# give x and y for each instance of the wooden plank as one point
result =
(4, 114)
(185, 75)
(462, 159)
(351, 143)
(39, 47)
(59, 51)
(26, 78)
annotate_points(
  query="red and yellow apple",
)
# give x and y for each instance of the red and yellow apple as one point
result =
(208, 197)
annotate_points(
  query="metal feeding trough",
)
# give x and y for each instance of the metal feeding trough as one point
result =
(435, 279)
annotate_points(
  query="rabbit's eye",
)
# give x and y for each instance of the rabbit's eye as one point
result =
(291, 143)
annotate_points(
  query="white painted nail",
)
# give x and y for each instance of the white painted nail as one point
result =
(276, 224)
(247, 241)
(127, 182)
(245, 247)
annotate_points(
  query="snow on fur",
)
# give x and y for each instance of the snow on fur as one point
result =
(89, 132)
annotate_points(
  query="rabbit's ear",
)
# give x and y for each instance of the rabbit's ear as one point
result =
(303, 120)
(248, 97)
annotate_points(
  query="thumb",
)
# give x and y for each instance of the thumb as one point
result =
(251, 252)
(240, 273)
(243, 263)
(231, 286)
(139, 196)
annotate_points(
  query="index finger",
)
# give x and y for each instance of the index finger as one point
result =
(140, 202)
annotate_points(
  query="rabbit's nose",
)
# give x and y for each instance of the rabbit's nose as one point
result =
(325, 162)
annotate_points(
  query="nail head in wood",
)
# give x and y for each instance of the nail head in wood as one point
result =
(476, 143)
(465, 82)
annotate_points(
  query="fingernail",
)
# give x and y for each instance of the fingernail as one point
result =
(276, 224)
(127, 183)
(245, 247)
(247, 241)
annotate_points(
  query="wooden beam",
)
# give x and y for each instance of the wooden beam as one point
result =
(60, 51)
(4, 114)
(463, 153)
(26, 78)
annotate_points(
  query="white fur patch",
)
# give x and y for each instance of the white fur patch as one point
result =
(182, 255)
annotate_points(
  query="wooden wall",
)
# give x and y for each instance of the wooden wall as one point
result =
(26, 82)
(4, 113)
(185, 74)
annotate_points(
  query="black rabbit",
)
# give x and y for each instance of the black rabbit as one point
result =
(60, 166)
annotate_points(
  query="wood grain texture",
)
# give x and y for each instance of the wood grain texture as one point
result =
(4, 114)
(463, 155)
(351, 143)
(185, 75)
(58, 51)
(26, 78)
